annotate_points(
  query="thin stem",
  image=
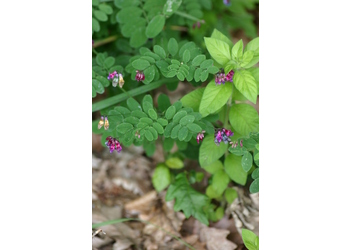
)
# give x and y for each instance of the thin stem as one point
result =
(228, 106)
(143, 11)
(123, 96)
(178, 28)
(185, 15)
(143, 221)
(105, 41)
(93, 50)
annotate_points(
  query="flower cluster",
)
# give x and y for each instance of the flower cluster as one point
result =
(113, 144)
(222, 135)
(234, 144)
(140, 76)
(200, 136)
(227, 2)
(117, 78)
(103, 121)
(221, 78)
(197, 24)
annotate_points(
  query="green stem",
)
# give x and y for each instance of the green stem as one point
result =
(121, 97)
(105, 41)
(228, 106)
(144, 13)
(143, 221)
(185, 15)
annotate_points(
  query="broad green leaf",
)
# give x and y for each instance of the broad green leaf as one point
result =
(174, 162)
(170, 112)
(108, 62)
(180, 76)
(138, 38)
(214, 167)
(233, 167)
(245, 82)
(140, 64)
(253, 45)
(103, 80)
(138, 113)
(244, 118)
(95, 2)
(237, 51)
(218, 35)
(220, 181)
(254, 187)
(214, 97)
(171, 6)
(187, 199)
(213, 70)
(230, 195)
(193, 99)
(219, 50)
(173, 46)
(249, 239)
(198, 60)
(100, 15)
(149, 135)
(211, 193)
(146, 120)
(123, 15)
(155, 26)
(247, 58)
(161, 177)
(255, 73)
(159, 51)
(98, 86)
(219, 212)
(163, 102)
(106, 8)
(204, 75)
(247, 161)
(209, 152)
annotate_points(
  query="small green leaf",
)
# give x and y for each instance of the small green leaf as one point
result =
(255, 173)
(220, 181)
(230, 195)
(174, 162)
(204, 75)
(183, 132)
(133, 104)
(150, 73)
(233, 167)
(249, 239)
(158, 127)
(198, 60)
(123, 15)
(124, 127)
(95, 25)
(173, 46)
(125, 3)
(168, 144)
(161, 177)
(180, 76)
(106, 8)
(171, 6)
(219, 50)
(170, 112)
(168, 129)
(214, 167)
(178, 116)
(247, 161)
(218, 35)
(206, 63)
(97, 85)
(163, 102)
(138, 38)
(237, 51)
(175, 131)
(254, 187)
(186, 56)
(187, 119)
(159, 51)
(213, 70)
(155, 26)
(140, 64)
(100, 15)
(162, 122)
(138, 113)
(148, 135)
(152, 114)
(247, 58)
(194, 128)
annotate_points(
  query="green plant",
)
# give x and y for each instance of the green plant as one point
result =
(251, 241)
(214, 124)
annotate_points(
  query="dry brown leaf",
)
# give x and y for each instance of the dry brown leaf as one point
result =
(216, 238)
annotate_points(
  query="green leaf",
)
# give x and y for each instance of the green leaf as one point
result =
(230, 195)
(220, 181)
(100, 15)
(213, 70)
(204, 75)
(249, 239)
(183, 132)
(187, 199)
(253, 45)
(95, 2)
(152, 114)
(149, 135)
(103, 80)
(123, 15)
(106, 8)
(219, 50)
(244, 119)
(209, 152)
(255, 173)
(158, 127)
(150, 73)
(255, 74)
(175, 131)
(233, 168)
(140, 64)
(108, 62)
(247, 58)
(254, 187)
(173, 46)
(97, 85)
(193, 99)
(186, 120)
(138, 113)
(206, 63)
(245, 82)
(124, 127)
(198, 60)
(162, 121)
(237, 51)
(170, 112)
(218, 35)
(138, 38)
(186, 56)
(211, 193)
(146, 120)
(214, 97)
(168, 144)
(125, 3)
(171, 6)
(180, 76)
(154, 133)
(100, 59)
(168, 129)
(194, 128)
(159, 51)
(95, 25)
(155, 26)
(179, 115)
(133, 104)
(214, 167)
(163, 102)
(247, 161)
(174, 162)
(161, 177)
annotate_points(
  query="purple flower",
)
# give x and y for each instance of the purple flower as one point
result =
(222, 135)
(229, 76)
(241, 143)
(227, 2)
(112, 75)
(200, 136)
(113, 144)
(140, 76)
(220, 78)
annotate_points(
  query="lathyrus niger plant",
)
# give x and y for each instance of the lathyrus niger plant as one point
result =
(140, 45)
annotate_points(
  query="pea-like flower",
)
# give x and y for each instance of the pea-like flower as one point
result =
(229, 76)
(222, 135)
(140, 76)
(227, 2)
(113, 144)
(200, 136)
